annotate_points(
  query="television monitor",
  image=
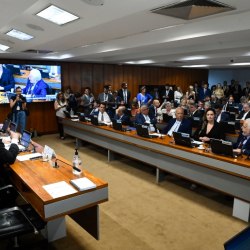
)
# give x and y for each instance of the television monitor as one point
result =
(50, 76)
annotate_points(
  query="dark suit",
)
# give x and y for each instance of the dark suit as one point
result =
(120, 93)
(40, 89)
(152, 111)
(196, 118)
(225, 117)
(246, 146)
(241, 114)
(216, 132)
(6, 157)
(7, 80)
(169, 97)
(185, 126)
(124, 119)
(202, 94)
(139, 119)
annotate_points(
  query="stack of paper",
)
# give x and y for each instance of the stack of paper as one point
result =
(83, 183)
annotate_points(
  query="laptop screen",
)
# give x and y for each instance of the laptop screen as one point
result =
(26, 137)
(240, 241)
(5, 126)
(222, 147)
(182, 139)
(117, 124)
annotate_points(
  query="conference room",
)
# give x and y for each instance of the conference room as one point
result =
(149, 204)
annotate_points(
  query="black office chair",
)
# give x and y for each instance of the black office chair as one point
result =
(17, 220)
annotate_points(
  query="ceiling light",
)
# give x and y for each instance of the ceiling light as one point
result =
(4, 47)
(140, 62)
(57, 15)
(19, 35)
(191, 58)
(195, 66)
(109, 50)
(240, 64)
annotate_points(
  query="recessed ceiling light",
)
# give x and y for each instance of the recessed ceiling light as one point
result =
(140, 62)
(57, 15)
(195, 66)
(240, 64)
(191, 58)
(4, 47)
(19, 35)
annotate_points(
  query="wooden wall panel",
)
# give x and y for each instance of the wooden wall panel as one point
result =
(75, 77)
(87, 76)
(98, 79)
(118, 77)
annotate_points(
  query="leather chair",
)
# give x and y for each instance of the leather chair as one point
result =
(16, 220)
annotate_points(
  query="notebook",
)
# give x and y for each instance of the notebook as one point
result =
(94, 121)
(83, 183)
(222, 147)
(184, 139)
(228, 127)
(240, 241)
(142, 130)
(166, 118)
(117, 125)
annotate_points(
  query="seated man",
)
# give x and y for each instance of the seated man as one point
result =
(221, 115)
(245, 113)
(243, 143)
(178, 124)
(102, 115)
(8, 157)
(144, 118)
(35, 86)
(120, 115)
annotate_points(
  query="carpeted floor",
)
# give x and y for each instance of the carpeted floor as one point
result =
(143, 215)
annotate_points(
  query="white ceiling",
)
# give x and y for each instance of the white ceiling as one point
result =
(120, 31)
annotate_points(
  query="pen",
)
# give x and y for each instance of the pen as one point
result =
(77, 169)
(35, 158)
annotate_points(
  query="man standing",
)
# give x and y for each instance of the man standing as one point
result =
(18, 106)
(124, 94)
(178, 124)
(168, 94)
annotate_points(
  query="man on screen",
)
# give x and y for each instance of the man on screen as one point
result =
(35, 87)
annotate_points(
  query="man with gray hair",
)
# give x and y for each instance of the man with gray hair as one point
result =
(243, 143)
(35, 87)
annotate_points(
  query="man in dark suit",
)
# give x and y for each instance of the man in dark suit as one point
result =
(144, 118)
(203, 92)
(153, 108)
(221, 116)
(35, 86)
(124, 94)
(8, 157)
(243, 143)
(107, 98)
(195, 115)
(167, 94)
(120, 115)
(179, 124)
(245, 113)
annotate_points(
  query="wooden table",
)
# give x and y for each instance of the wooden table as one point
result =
(30, 176)
(225, 174)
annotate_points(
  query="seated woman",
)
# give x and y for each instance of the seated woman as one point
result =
(210, 128)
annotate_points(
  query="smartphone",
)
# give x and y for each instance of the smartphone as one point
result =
(26, 137)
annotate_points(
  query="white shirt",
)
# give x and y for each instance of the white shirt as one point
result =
(244, 116)
(106, 118)
(174, 128)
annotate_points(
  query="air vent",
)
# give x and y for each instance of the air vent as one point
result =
(192, 9)
(33, 51)
(94, 2)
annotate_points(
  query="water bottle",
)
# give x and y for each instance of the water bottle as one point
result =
(76, 164)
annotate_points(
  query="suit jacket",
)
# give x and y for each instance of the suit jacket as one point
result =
(185, 126)
(40, 89)
(139, 119)
(152, 112)
(170, 96)
(101, 98)
(202, 95)
(120, 93)
(216, 132)
(7, 80)
(241, 114)
(246, 146)
(124, 119)
(225, 117)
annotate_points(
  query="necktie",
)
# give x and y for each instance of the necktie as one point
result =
(102, 118)
(242, 142)
(125, 96)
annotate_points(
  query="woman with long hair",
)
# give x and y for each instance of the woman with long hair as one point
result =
(210, 128)
(60, 105)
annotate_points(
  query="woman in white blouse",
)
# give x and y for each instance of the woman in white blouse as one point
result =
(165, 108)
(178, 95)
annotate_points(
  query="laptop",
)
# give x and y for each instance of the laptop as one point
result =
(222, 147)
(94, 121)
(184, 139)
(117, 125)
(240, 241)
(228, 127)
(166, 118)
(5, 126)
(142, 130)
(233, 109)
(25, 140)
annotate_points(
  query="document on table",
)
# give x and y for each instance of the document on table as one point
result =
(59, 189)
(83, 183)
(27, 157)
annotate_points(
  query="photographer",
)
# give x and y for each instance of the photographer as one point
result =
(18, 109)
